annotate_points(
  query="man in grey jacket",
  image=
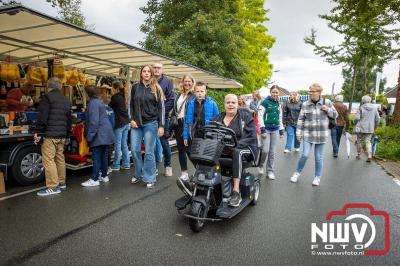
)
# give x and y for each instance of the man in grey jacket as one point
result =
(368, 121)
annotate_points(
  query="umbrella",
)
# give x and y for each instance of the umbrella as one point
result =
(348, 138)
(374, 142)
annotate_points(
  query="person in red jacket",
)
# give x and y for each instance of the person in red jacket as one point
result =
(14, 97)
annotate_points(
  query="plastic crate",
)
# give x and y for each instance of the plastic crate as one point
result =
(206, 150)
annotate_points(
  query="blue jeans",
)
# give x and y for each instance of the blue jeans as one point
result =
(291, 134)
(158, 151)
(318, 154)
(100, 161)
(121, 142)
(336, 134)
(146, 169)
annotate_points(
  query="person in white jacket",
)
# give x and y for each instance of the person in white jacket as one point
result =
(270, 122)
(368, 121)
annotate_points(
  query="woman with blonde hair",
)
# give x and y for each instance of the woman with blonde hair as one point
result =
(313, 130)
(291, 112)
(147, 119)
(185, 94)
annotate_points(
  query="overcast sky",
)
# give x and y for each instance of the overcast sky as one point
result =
(290, 21)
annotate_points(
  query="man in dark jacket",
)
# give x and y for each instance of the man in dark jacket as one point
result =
(168, 89)
(54, 122)
(241, 121)
(121, 128)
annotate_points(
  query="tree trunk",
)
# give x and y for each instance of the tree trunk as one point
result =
(396, 114)
(353, 86)
(365, 77)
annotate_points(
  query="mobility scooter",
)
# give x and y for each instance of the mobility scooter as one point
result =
(213, 176)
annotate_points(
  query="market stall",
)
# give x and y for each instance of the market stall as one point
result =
(33, 47)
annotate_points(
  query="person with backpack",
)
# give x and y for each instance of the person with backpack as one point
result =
(367, 118)
(313, 129)
(121, 128)
(291, 111)
(99, 136)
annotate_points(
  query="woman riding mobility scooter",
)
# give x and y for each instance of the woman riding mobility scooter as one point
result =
(215, 166)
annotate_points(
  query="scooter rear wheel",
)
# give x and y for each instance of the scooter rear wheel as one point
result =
(197, 210)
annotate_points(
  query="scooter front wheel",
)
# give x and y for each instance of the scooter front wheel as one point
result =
(256, 192)
(200, 211)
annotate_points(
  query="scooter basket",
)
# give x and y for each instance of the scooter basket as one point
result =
(206, 150)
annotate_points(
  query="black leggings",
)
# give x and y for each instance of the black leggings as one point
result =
(182, 149)
(238, 157)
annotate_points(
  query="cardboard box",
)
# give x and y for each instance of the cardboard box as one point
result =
(2, 185)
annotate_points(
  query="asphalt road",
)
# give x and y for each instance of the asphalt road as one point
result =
(119, 223)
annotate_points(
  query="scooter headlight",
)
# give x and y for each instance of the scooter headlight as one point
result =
(201, 177)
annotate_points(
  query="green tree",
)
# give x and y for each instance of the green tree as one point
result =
(302, 92)
(369, 35)
(347, 84)
(70, 11)
(225, 37)
(205, 33)
(257, 44)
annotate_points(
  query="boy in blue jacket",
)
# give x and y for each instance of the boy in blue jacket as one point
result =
(200, 111)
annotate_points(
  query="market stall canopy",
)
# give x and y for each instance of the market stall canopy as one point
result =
(28, 36)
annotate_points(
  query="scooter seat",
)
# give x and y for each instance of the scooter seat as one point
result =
(227, 163)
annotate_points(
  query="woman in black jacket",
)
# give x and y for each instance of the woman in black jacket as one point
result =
(121, 128)
(147, 120)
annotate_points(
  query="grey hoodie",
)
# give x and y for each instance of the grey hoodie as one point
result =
(368, 118)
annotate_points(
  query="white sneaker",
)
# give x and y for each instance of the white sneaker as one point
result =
(168, 171)
(184, 176)
(150, 185)
(271, 175)
(104, 179)
(316, 181)
(135, 180)
(286, 151)
(297, 149)
(295, 177)
(90, 183)
(260, 170)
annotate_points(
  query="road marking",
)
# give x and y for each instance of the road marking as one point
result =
(22, 193)
(396, 181)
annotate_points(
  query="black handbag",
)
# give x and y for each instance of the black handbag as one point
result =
(173, 121)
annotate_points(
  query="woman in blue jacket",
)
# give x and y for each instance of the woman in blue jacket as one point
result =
(99, 135)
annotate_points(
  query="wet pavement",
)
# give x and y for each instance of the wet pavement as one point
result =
(120, 223)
